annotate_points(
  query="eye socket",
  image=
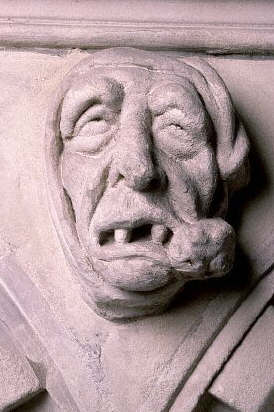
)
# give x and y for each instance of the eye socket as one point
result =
(175, 137)
(91, 134)
(93, 127)
(94, 120)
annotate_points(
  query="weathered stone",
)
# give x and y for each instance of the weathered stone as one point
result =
(246, 382)
(146, 140)
(18, 382)
(191, 395)
(140, 365)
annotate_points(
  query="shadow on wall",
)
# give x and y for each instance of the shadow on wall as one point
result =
(42, 402)
(259, 184)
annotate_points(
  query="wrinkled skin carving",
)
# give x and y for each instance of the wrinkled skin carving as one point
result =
(143, 152)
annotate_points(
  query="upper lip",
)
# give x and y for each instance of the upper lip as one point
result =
(135, 235)
(126, 224)
(156, 253)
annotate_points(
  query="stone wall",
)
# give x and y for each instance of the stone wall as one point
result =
(212, 349)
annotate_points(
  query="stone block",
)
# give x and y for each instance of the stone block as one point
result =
(247, 381)
(18, 382)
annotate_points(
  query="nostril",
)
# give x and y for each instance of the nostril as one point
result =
(154, 184)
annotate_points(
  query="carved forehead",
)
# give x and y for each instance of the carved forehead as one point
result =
(130, 72)
(161, 90)
(130, 77)
(130, 66)
(110, 86)
(117, 87)
(128, 57)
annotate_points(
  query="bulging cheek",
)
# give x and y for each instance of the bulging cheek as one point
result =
(203, 173)
(204, 248)
(181, 191)
(191, 184)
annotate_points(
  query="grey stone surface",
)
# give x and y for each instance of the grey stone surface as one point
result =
(247, 381)
(191, 395)
(114, 356)
(53, 355)
(143, 11)
(18, 382)
(223, 26)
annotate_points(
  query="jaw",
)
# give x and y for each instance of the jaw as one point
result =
(132, 287)
(114, 303)
(138, 279)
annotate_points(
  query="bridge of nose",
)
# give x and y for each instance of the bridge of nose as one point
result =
(134, 143)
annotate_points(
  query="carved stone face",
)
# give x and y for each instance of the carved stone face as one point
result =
(142, 183)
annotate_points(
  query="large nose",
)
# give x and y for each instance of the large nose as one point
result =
(134, 158)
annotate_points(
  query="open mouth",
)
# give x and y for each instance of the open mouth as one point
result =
(147, 232)
(127, 240)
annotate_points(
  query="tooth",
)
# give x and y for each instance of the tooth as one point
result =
(158, 233)
(95, 238)
(122, 235)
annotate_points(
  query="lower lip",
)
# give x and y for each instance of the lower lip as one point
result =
(163, 289)
(135, 250)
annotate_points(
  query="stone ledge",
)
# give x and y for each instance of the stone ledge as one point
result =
(246, 382)
(211, 38)
(224, 344)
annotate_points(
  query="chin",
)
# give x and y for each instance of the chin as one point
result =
(140, 294)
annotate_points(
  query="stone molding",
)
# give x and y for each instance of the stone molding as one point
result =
(210, 38)
(178, 25)
(229, 338)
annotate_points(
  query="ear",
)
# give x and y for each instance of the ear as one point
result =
(232, 146)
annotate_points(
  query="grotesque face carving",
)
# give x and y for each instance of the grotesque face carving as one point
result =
(142, 153)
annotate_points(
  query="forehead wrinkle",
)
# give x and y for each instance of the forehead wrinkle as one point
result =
(128, 75)
(123, 75)
(185, 72)
(144, 67)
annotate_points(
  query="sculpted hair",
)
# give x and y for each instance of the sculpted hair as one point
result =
(232, 146)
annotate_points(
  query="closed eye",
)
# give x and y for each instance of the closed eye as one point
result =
(96, 113)
(94, 127)
(176, 126)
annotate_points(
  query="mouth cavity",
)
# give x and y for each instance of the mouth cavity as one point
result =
(155, 233)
